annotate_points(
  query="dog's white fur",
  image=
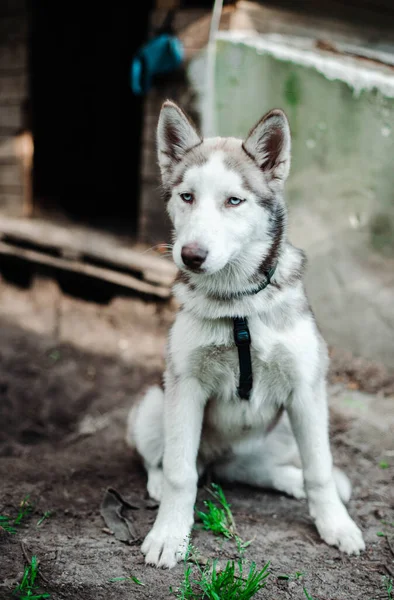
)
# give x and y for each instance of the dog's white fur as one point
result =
(199, 420)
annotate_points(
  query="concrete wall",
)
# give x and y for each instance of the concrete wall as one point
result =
(341, 189)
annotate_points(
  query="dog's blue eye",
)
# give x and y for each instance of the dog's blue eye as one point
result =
(187, 198)
(234, 201)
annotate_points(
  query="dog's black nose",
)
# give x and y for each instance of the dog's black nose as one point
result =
(193, 256)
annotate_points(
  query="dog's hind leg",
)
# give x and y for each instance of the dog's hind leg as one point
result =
(253, 470)
(289, 479)
(145, 434)
(266, 460)
(273, 461)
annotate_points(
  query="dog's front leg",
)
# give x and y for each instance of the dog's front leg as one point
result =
(308, 413)
(167, 541)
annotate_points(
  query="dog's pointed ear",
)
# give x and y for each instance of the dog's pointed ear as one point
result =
(269, 144)
(175, 136)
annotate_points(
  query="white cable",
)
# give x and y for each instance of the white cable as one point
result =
(208, 113)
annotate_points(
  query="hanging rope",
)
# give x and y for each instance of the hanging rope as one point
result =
(208, 113)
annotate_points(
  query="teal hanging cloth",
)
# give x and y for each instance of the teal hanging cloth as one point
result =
(163, 54)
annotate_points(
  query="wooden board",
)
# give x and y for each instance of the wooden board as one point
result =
(83, 250)
(74, 266)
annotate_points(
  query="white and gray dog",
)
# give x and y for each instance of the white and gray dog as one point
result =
(254, 411)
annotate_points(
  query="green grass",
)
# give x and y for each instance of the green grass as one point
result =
(231, 582)
(389, 585)
(219, 519)
(9, 523)
(213, 583)
(307, 595)
(28, 589)
(129, 578)
(6, 523)
(25, 508)
(46, 515)
(291, 576)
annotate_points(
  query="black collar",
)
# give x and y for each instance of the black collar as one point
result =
(237, 295)
(243, 340)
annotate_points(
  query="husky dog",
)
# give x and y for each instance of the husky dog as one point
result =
(225, 200)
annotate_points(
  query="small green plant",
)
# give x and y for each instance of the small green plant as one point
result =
(46, 515)
(6, 523)
(214, 583)
(231, 583)
(185, 591)
(219, 519)
(28, 589)
(9, 524)
(129, 578)
(380, 534)
(389, 585)
(25, 508)
(384, 464)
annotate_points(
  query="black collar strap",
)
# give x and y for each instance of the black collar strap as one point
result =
(242, 341)
(266, 281)
(268, 276)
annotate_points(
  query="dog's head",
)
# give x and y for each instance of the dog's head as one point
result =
(224, 195)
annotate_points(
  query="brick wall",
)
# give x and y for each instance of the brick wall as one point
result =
(13, 95)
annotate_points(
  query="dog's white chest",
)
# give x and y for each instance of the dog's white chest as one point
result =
(206, 351)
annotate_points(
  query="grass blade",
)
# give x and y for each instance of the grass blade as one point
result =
(27, 589)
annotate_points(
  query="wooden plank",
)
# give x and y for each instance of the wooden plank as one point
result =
(118, 279)
(90, 244)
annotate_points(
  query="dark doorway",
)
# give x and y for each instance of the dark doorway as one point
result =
(87, 124)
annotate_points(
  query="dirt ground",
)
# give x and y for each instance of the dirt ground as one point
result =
(69, 371)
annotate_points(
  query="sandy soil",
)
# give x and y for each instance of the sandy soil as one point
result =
(69, 367)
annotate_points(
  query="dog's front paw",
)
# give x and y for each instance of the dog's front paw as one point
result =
(164, 546)
(342, 532)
